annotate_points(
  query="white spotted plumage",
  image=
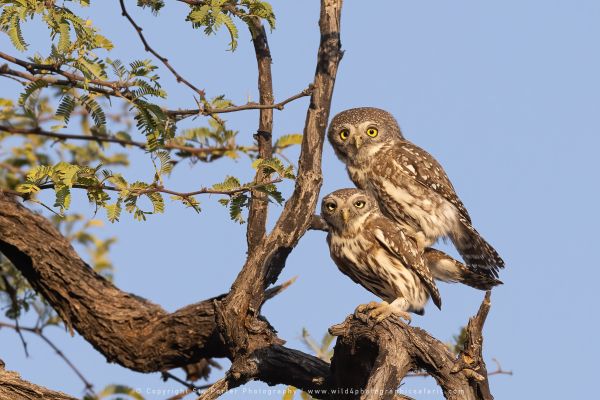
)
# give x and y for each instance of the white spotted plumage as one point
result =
(376, 253)
(409, 184)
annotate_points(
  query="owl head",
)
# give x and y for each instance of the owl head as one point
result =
(358, 133)
(347, 208)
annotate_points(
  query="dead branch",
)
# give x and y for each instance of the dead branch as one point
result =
(40, 333)
(373, 359)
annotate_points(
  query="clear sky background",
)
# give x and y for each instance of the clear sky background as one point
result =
(506, 95)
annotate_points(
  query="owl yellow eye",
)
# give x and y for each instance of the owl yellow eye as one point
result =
(344, 133)
(372, 132)
(331, 206)
(359, 204)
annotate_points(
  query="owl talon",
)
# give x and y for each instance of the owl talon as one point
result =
(362, 311)
(379, 312)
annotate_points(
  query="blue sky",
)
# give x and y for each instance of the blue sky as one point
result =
(506, 95)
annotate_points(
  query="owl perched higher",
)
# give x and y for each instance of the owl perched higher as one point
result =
(409, 184)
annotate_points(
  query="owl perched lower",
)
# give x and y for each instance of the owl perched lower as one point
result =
(408, 183)
(380, 255)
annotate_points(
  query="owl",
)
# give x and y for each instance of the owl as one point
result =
(378, 254)
(409, 184)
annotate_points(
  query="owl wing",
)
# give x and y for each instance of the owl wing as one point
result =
(394, 240)
(424, 169)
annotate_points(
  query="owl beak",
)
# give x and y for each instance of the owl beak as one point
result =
(357, 142)
(345, 215)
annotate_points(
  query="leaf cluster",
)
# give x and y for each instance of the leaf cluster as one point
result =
(214, 14)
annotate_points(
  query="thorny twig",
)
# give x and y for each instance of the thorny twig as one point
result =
(39, 332)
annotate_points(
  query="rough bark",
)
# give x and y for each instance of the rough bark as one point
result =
(125, 328)
(373, 359)
(12, 387)
(257, 215)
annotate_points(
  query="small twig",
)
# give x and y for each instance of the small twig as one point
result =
(161, 189)
(162, 59)
(216, 389)
(248, 106)
(124, 142)
(166, 375)
(74, 82)
(39, 332)
(317, 223)
(43, 68)
(499, 370)
(12, 293)
(64, 136)
(275, 290)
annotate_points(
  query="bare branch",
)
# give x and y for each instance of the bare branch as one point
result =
(124, 142)
(52, 80)
(275, 290)
(257, 215)
(248, 106)
(318, 224)
(72, 78)
(216, 389)
(39, 332)
(376, 357)
(162, 59)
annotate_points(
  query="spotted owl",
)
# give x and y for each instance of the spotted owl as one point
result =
(409, 184)
(380, 255)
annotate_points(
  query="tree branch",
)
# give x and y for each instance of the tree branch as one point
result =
(43, 69)
(259, 205)
(14, 388)
(37, 131)
(160, 189)
(237, 315)
(127, 329)
(39, 332)
(164, 60)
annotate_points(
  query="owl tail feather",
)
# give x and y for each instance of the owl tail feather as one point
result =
(446, 269)
(478, 254)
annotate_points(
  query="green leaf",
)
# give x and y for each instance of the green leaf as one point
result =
(233, 32)
(199, 15)
(65, 173)
(92, 106)
(30, 90)
(166, 165)
(272, 165)
(27, 188)
(236, 204)
(288, 140)
(65, 108)
(16, 35)
(112, 390)
(157, 201)
(64, 41)
(113, 211)
(230, 183)
(63, 197)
